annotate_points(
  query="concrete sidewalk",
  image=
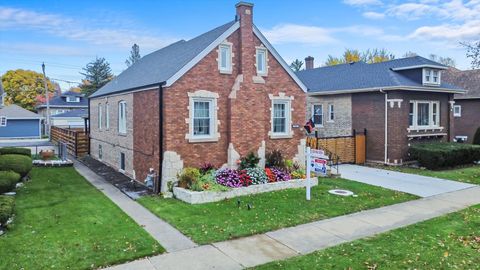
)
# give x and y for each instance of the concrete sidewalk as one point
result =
(169, 237)
(419, 185)
(306, 238)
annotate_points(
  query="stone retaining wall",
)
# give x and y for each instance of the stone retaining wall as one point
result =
(199, 197)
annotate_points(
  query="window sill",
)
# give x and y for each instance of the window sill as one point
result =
(122, 134)
(202, 140)
(410, 129)
(284, 136)
(229, 72)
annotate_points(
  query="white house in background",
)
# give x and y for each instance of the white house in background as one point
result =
(70, 119)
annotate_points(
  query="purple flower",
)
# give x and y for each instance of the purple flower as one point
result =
(228, 178)
(280, 175)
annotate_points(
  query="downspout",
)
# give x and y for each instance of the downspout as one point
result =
(386, 126)
(160, 136)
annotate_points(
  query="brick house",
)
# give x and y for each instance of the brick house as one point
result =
(213, 98)
(399, 102)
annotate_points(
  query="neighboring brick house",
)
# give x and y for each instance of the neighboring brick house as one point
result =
(63, 103)
(399, 102)
(213, 98)
(466, 110)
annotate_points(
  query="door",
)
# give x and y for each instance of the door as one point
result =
(360, 152)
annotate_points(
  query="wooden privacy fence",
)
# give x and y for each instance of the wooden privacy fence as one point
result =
(348, 149)
(76, 139)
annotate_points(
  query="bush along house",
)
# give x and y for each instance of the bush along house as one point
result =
(466, 110)
(214, 98)
(399, 102)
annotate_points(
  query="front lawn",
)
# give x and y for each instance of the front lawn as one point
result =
(211, 222)
(447, 242)
(62, 222)
(468, 174)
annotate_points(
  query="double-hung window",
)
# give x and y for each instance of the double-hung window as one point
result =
(107, 116)
(202, 118)
(331, 113)
(122, 117)
(261, 62)
(457, 110)
(100, 116)
(431, 76)
(3, 121)
(225, 58)
(424, 114)
(280, 117)
(317, 115)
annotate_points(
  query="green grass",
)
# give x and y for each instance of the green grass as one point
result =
(62, 222)
(206, 223)
(467, 174)
(447, 242)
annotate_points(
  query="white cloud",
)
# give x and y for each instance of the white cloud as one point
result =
(77, 30)
(373, 15)
(294, 33)
(449, 32)
(362, 2)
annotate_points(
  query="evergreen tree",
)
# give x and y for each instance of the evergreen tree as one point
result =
(97, 73)
(296, 65)
(134, 55)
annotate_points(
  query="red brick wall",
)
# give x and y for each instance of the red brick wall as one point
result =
(145, 133)
(248, 115)
(467, 124)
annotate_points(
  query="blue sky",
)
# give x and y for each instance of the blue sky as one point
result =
(69, 34)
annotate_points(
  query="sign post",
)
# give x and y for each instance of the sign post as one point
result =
(308, 172)
(316, 160)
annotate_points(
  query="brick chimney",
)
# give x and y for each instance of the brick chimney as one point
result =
(244, 14)
(309, 62)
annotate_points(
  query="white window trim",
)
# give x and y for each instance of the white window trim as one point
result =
(203, 95)
(415, 125)
(68, 99)
(100, 116)
(107, 116)
(265, 51)
(331, 109)
(459, 113)
(229, 68)
(3, 121)
(313, 115)
(289, 109)
(122, 129)
(430, 73)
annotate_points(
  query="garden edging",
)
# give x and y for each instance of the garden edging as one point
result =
(199, 197)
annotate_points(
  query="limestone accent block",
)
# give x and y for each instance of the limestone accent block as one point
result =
(198, 197)
(300, 156)
(171, 166)
(233, 156)
(261, 155)
(236, 86)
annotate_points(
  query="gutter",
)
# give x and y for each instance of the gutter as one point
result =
(158, 187)
(391, 88)
(386, 126)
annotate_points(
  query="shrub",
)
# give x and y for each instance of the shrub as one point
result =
(257, 175)
(8, 180)
(6, 208)
(187, 177)
(206, 167)
(274, 159)
(15, 150)
(442, 155)
(280, 174)
(228, 178)
(250, 161)
(18, 163)
(476, 137)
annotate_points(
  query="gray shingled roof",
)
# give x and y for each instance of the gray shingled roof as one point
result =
(467, 79)
(162, 64)
(361, 75)
(72, 113)
(61, 101)
(15, 111)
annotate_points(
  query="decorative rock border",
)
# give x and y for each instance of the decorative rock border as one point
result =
(52, 163)
(199, 197)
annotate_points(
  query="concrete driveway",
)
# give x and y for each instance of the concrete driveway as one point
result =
(422, 186)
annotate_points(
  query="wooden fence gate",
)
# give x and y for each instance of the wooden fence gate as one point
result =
(76, 139)
(347, 149)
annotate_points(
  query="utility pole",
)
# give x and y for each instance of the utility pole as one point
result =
(47, 125)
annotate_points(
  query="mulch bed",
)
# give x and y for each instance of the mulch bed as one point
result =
(130, 187)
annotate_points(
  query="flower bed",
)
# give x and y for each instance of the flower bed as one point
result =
(198, 197)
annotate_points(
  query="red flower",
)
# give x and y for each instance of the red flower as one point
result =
(245, 179)
(270, 175)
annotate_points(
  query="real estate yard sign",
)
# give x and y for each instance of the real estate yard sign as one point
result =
(317, 163)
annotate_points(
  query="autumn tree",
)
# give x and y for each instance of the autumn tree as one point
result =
(134, 55)
(296, 65)
(97, 73)
(23, 87)
(368, 56)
